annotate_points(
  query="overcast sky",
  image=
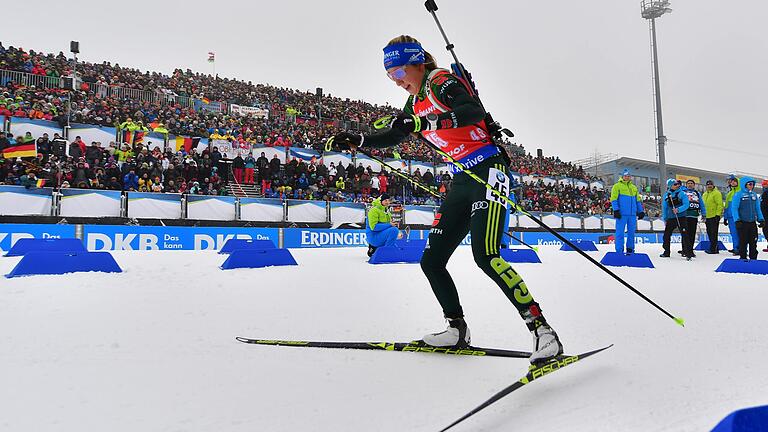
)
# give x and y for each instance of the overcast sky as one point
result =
(569, 77)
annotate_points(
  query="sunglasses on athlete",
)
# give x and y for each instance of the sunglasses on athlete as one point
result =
(397, 74)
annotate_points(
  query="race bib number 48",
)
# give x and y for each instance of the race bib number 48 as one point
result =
(500, 182)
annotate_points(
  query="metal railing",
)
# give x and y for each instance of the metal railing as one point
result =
(28, 79)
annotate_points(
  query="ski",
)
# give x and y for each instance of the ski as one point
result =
(415, 346)
(535, 372)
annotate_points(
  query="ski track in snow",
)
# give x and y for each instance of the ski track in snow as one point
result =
(153, 349)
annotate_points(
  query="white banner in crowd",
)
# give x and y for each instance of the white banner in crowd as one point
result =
(261, 209)
(423, 167)
(88, 203)
(554, 220)
(524, 221)
(210, 207)
(609, 223)
(593, 222)
(249, 110)
(337, 159)
(269, 152)
(154, 205)
(18, 201)
(91, 133)
(644, 225)
(596, 184)
(224, 146)
(571, 221)
(342, 212)
(20, 126)
(419, 215)
(306, 211)
(368, 162)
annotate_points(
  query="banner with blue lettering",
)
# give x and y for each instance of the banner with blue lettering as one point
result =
(323, 238)
(118, 237)
(11, 233)
(303, 153)
(18, 200)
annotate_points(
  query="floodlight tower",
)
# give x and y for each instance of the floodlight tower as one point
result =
(650, 10)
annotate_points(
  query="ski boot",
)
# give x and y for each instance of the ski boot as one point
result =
(630, 251)
(665, 254)
(371, 250)
(455, 336)
(546, 344)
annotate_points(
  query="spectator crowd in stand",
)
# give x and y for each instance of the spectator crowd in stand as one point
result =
(295, 119)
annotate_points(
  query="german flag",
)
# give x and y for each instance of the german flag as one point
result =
(186, 143)
(206, 100)
(20, 150)
(133, 137)
(40, 183)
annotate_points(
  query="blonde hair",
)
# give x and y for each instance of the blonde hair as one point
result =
(429, 61)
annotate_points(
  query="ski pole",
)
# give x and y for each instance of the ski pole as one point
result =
(412, 180)
(520, 241)
(538, 221)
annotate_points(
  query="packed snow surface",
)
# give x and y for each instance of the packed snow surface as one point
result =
(153, 348)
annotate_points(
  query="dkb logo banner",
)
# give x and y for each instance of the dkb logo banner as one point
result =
(115, 237)
(11, 233)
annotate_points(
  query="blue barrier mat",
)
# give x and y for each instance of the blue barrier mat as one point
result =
(26, 245)
(257, 258)
(56, 263)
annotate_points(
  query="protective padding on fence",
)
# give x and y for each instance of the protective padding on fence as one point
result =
(257, 258)
(27, 245)
(57, 263)
(240, 244)
(704, 245)
(585, 245)
(618, 259)
(397, 254)
(520, 255)
(745, 420)
(733, 265)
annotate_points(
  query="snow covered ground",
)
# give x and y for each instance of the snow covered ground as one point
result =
(153, 349)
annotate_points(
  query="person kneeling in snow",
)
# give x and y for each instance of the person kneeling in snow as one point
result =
(379, 228)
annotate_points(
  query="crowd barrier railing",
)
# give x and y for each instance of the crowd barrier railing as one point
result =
(72, 202)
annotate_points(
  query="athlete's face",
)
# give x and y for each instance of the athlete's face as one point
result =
(409, 79)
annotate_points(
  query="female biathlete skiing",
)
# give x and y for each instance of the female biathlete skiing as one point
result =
(441, 109)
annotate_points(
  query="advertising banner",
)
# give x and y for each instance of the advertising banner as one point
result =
(20, 126)
(17, 200)
(126, 237)
(307, 211)
(261, 209)
(90, 203)
(90, 133)
(154, 205)
(11, 233)
(243, 110)
(419, 215)
(342, 212)
(211, 207)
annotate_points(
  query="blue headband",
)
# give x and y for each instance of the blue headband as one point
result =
(402, 54)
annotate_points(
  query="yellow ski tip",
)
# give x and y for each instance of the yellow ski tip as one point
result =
(680, 322)
(535, 248)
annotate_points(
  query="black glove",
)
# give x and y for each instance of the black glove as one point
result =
(344, 141)
(725, 222)
(616, 214)
(408, 123)
(641, 215)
